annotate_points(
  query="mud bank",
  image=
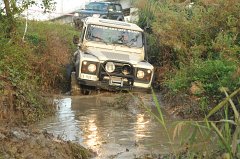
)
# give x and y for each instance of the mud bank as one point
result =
(180, 106)
(22, 142)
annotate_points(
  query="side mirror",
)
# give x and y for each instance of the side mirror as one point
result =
(147, 29)
(75, 39)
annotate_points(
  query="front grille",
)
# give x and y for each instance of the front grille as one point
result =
(128, 79)
(118, 69)
(116, 56)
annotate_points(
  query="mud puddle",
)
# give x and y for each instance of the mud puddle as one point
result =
(110, 132)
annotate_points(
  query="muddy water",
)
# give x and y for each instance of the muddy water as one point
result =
(111, 132)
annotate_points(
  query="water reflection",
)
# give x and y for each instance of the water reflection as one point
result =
(64, 124)
(108, 131)
(140, 127)
(92, 138)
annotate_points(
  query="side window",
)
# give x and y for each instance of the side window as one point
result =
(82, 34)
(118, 8)
(111, 7)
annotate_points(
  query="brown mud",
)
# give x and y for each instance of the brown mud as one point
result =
(112, 125)
(181, 106)
(116, 126)
(23, 142)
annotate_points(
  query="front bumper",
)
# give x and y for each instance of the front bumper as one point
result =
(105, 85)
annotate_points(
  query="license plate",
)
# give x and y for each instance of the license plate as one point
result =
(116, 81)
(87, 77)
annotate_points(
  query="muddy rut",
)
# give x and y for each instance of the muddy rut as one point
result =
(112, 125)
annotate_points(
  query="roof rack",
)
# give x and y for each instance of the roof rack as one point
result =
(114, 22)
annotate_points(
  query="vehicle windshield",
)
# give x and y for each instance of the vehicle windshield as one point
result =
(111, 35)
(96, 6)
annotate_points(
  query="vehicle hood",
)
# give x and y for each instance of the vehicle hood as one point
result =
(91, 12)
(116, 54)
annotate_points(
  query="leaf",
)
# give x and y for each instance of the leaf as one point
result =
(221, 137)
(178, 129)
(222, 104)
(158, 106)
(235, 140)
(192, 138)
(150, 112)
(236, 114)
(228, 121)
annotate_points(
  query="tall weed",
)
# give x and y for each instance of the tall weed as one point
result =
(229, 131)
(207, 138)
(33, 66)
(53, 51)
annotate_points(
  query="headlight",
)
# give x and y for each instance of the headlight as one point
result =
(144, 75)
(140, 74)
(89, 67)
(110, 67)
(92, 68)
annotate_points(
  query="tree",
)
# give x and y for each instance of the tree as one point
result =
(13, 8)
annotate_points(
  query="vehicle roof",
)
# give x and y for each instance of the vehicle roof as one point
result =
(112, 23)
(106, 2)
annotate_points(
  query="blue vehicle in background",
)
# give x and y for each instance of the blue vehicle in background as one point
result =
(105, 10)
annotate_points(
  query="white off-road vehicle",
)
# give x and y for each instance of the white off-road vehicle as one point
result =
(111, 56)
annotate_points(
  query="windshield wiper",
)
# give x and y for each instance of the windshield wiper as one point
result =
(131, 42)
(121, 42)
(99, 39)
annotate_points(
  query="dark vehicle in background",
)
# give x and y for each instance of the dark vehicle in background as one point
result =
(105, 10)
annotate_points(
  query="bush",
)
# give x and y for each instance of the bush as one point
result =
(30, 67)
(53, 48)
(210, 74)
(199, 42)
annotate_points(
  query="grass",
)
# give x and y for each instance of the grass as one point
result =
(224, 134)
(32, 68)
(229, 132)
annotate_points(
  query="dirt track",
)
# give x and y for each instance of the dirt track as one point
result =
(21, 143)
(122, 124)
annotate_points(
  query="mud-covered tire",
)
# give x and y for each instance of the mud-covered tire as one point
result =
(103, 17)
(149, 91)
(120, 19)
(86, 92)
(69, 70)
(75, 88)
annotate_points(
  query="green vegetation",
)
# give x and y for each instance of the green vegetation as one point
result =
(197, 43)
(229, 132)
(205, 138)
(11, 9)
(31, 66)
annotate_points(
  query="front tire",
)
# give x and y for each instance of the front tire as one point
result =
(103, 17)
(75, 88)
(120, 19)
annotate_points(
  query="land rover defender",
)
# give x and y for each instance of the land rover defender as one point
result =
(111, 55)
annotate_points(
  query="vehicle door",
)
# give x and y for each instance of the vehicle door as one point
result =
(111, 11)
(118, 12)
